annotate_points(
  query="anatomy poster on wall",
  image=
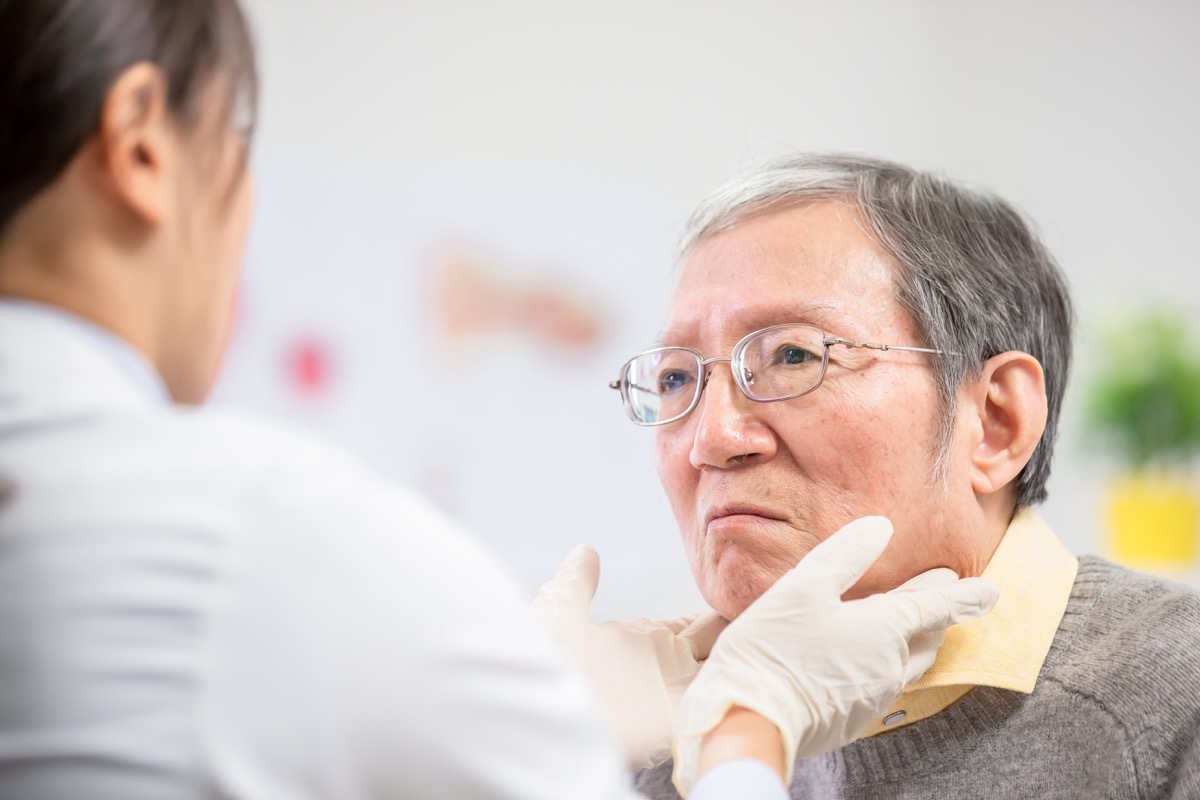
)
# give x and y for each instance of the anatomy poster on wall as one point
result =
(461, 341)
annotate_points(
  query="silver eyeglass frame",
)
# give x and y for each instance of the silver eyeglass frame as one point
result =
(742, 380)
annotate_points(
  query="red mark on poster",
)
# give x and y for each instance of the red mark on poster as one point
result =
(309, 367)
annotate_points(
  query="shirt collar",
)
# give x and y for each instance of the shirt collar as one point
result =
(1006, 647)
(131, 364)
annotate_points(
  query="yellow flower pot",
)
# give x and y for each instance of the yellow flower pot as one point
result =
(1154, 521)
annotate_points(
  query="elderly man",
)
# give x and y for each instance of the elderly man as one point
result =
(846, 337)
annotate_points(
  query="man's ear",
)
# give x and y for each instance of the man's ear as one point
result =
(1009, 400)
(133, 143)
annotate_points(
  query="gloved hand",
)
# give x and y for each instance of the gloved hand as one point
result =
(819, 668)
(638, 668)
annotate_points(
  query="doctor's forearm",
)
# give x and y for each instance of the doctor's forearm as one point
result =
(742, 734)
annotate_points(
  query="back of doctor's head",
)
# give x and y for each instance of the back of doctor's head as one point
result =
(58, 59)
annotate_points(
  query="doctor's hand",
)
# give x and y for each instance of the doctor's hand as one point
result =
(817, 667)
(638, 668)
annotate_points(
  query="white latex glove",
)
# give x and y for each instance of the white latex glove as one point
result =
(638, 668)
(819, 668)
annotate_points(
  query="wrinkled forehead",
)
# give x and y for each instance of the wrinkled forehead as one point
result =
(805, 263)
(692, 325)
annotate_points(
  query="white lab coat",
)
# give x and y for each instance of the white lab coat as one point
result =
(194, 604)
(194, 599)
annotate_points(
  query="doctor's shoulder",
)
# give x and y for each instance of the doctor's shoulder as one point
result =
(278, 485)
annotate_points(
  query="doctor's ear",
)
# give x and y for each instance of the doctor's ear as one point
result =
(1008, 416)
(137, 143)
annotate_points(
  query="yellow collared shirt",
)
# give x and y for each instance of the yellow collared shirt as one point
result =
(1005, 648)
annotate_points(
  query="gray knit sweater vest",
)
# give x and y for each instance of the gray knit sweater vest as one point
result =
(1115, 714)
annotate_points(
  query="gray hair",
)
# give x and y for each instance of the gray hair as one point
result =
(969, 269)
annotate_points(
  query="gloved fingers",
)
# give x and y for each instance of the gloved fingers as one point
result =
(922, 650)
(937, 608)
(939, 576)
(837, 563)
(680, 624)
(573, 585)
(974, 598)
(703, 633)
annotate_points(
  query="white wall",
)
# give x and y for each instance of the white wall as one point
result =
(579, 135)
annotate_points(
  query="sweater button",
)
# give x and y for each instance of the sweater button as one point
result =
(894, 717)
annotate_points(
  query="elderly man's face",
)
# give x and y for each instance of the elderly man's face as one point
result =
(754, 486)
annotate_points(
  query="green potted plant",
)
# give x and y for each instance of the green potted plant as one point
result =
(1143, 403)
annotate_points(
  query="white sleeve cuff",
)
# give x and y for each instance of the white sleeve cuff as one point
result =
(742, 778)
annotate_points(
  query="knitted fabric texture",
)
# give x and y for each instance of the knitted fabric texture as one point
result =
(1115, 714)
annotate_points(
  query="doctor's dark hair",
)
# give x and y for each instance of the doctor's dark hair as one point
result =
(968, 268)
(59, 58)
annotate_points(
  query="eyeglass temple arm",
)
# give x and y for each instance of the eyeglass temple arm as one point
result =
(617, 385)
(832, 340)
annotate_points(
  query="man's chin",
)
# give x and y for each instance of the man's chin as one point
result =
(730, 600)
(734, 577)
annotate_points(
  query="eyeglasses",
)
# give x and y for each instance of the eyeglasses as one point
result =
(777, 363)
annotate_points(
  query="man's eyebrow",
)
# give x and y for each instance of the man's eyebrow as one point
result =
(821, 315)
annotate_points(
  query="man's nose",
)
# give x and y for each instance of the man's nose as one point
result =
(729, 432)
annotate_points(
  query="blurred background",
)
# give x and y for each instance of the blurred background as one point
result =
(468, 210)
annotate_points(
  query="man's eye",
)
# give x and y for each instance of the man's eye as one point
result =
(791, 354)
(673, 381)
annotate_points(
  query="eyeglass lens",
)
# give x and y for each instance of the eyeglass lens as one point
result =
(778, 362)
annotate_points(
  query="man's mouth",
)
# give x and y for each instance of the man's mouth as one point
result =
(733, 511)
